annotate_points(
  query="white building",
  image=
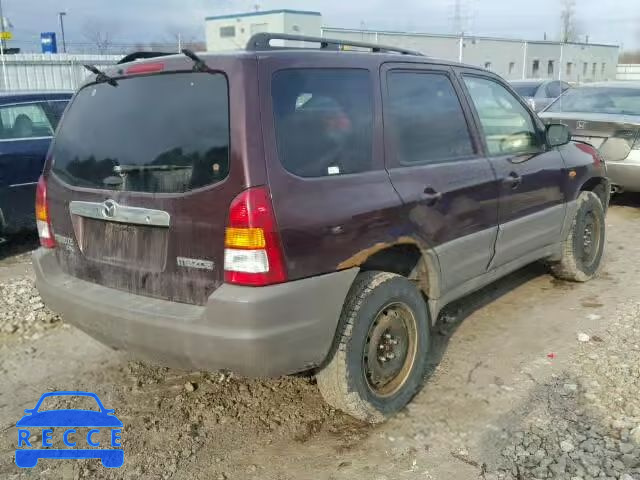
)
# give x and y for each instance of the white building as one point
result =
(231, 32)
(511, 58)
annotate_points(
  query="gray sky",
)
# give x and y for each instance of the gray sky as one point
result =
(612, 21)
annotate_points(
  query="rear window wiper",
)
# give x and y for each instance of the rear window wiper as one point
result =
(198, 63)
(119, 169)
(101, 77)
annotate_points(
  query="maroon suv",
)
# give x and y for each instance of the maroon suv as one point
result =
(279, 210)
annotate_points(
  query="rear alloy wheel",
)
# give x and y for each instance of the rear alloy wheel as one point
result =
(583, 248)
(381, 358)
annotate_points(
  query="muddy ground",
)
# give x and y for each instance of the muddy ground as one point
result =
(533, 378)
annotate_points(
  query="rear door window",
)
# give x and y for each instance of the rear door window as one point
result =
(427, 120)
(323, 120)
(23, 121)
(166, 133)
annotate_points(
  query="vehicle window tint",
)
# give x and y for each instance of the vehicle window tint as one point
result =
(507, 125)
(26, 120)
(427, 121)
(608, 100)
(166, 133)
(526, 89)
(54, 110)
(554, 90)
(323, 120)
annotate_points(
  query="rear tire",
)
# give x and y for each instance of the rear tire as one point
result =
(583, 248)
(381, 358)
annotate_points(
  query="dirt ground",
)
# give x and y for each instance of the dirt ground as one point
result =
(533, 378)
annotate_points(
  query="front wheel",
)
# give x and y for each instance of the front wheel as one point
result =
(583, 248)
(381, 358)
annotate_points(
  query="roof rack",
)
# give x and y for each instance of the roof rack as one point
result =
(141, 55)
(262, 41)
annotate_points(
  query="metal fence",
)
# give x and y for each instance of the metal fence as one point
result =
(628, 72)
(48, 72)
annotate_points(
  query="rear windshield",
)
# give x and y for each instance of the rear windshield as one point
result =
(165, 133)
(526, 89)
(610, 100)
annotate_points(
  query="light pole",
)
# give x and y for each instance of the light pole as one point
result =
(4, 46)
(2, 49)
(64, 44)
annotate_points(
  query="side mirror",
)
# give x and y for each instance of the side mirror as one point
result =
(558, 135)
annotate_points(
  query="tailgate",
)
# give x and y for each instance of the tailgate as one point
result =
(140, 185)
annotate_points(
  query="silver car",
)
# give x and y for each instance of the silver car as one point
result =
(539, 93)
(607, 116)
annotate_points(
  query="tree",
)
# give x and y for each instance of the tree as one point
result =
(185, 37)
(100, 34)
(630, 57)
(568, 21)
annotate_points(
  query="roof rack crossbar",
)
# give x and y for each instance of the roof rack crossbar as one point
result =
(262, 41)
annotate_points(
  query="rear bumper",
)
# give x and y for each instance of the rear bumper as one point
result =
(626, 174)
(265, 331)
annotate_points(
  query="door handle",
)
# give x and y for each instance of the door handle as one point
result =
(430, 196)
(513, 179)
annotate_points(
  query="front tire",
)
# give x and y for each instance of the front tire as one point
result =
(381, 359)
(583, 248)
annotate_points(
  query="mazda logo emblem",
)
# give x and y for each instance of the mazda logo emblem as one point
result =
(581, 125)
(109, 209)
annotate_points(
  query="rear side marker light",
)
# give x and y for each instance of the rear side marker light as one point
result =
(145, 68)
(43, 220)
(253, 250)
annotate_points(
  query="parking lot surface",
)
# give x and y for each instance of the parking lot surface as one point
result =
(532, 378)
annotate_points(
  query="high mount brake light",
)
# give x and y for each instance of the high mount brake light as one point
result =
(142, 68)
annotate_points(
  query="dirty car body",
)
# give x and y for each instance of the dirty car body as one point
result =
(234, 236)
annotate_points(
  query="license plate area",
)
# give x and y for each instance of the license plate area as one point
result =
(139, 247)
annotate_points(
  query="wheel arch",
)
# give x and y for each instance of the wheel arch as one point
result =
(600, 186)
(408, 258)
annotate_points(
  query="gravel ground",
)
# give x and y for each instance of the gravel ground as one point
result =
(533, 379)
(22, 312)
(585, 423)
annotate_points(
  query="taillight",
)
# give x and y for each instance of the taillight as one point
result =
(253, 251)
(43, 220)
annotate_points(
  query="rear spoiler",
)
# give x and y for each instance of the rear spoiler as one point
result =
(142, 55)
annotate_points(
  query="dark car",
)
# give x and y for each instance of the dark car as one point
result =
(607, 116)
(273, 210)
(539, 93)
(27, 123)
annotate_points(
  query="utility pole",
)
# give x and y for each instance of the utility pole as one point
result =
(457, 16)
(64, 44)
